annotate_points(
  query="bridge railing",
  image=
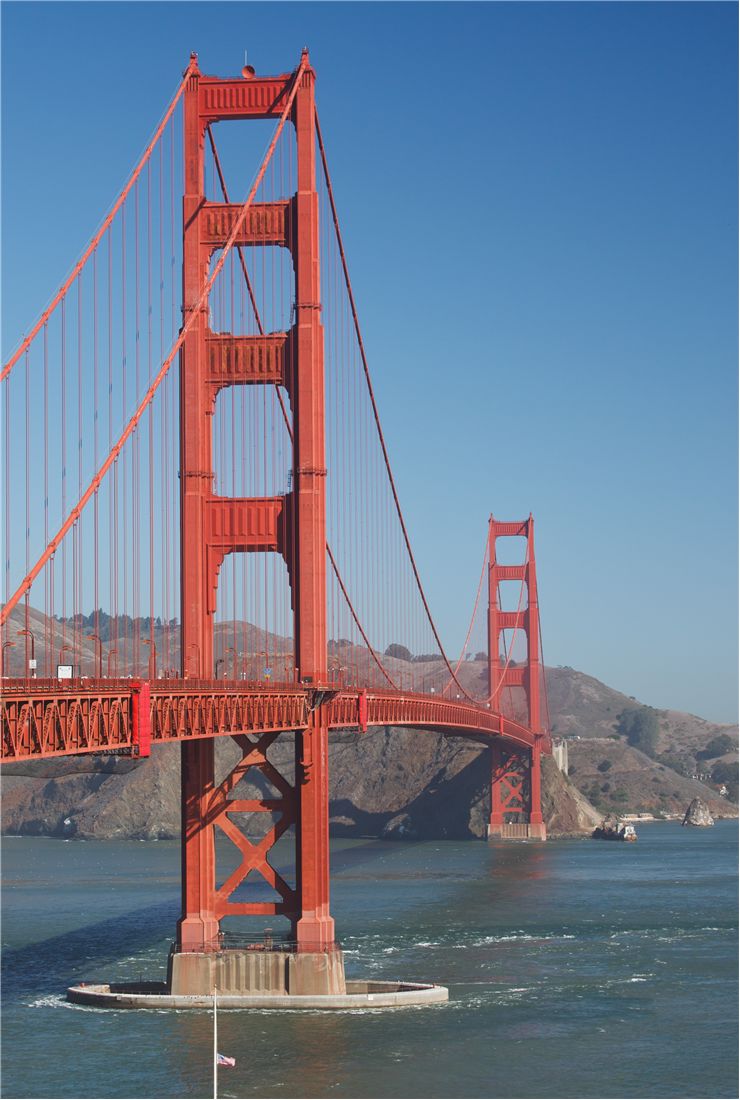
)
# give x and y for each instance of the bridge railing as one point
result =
(45, 718)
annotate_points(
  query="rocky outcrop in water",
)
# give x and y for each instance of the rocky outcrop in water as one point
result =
(608, 829)
(698, 814)
(612, 828)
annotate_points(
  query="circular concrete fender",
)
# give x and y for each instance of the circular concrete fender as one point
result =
(359, 995)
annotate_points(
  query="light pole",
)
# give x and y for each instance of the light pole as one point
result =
(6, 645)
(29, 634)
(63, 649)
(112, 653)
(99, 651)
(152, 657)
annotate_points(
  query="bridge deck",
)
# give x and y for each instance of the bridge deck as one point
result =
(41, 719)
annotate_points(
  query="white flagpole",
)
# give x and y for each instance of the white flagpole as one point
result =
(215, 1048)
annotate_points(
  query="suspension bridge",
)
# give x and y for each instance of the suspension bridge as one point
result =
(203, 535)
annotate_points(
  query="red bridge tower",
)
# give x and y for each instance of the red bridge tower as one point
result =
(516, 809)
(292, 525)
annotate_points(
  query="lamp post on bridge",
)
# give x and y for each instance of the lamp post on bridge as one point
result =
(95, 638)
(32, 664)
(339, 669)
(287, 665)
(152, 657)
(63, 649)
(231, 650)
(112, 653)
(262, 653)
(6, 645)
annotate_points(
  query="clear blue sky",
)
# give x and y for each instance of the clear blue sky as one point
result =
(540, 208)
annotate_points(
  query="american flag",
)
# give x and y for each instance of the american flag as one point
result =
(222, 1060)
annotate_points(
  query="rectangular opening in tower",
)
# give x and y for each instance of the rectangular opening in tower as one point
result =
(254, 293)
(512, 595)
(252, 448)
(253, 628)
(511, 550)
(240, 147)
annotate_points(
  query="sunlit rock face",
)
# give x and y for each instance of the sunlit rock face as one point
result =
(698, 813)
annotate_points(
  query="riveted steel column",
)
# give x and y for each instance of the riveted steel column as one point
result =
(315, 927)
(496, 819)
(198, 925)
(533, 634)
(536, 824)
(494, 667)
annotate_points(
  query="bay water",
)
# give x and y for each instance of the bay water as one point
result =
(576, 968)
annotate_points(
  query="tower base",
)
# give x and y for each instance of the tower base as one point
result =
(236, 971)
(518, 831)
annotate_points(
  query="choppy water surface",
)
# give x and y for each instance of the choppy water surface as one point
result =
(575, 968)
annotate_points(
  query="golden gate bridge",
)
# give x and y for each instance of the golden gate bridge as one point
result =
(239, 517)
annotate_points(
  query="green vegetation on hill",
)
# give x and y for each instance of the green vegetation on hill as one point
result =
(718, 746)
(640, 727)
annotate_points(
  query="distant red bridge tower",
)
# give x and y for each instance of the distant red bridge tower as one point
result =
(516, 809)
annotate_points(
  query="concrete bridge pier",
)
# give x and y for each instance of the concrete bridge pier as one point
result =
(516, 803)
(257, 971)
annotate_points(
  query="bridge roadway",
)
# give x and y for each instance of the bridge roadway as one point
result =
(46, 718)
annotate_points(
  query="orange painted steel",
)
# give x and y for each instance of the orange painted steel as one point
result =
(254, 856)
(41, 719)
(194, 313)
(293, 526)
(508, 796)
(506, 784)
(42, 723)
(373, 403)
(69, 281)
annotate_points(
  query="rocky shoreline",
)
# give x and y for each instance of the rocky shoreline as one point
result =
(392, 782)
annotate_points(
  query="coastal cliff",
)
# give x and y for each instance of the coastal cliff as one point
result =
(402, 783)
(388, 782)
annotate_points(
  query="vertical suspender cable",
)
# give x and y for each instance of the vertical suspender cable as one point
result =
(144, 403)
(118, 204)
(124, 614)
(150, 413)
(135, 451)
(49, 569)
(27, 620)
(63, 467)
(371, 394)
(96, 502)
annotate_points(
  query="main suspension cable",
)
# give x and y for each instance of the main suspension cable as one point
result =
(106, 223)
(146, 400)
(376, 414)
(286, 418)
(472, 617)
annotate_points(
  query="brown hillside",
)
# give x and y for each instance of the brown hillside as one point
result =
(634, 782)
